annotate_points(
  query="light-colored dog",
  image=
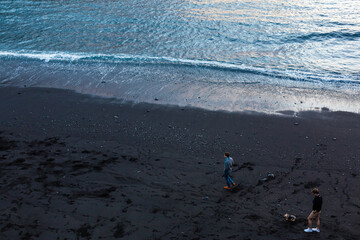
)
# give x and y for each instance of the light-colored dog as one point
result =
(290, 218)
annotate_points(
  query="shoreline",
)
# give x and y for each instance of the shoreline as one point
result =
(90, 167)
(201, 87)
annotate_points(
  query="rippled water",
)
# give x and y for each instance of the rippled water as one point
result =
(188, 52)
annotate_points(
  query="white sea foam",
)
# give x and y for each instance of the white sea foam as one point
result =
(296, 75)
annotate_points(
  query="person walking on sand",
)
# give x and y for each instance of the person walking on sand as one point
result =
(228, 164)
(316, 210)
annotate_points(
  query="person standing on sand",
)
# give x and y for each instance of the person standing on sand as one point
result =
(228, 163)
(316, 210)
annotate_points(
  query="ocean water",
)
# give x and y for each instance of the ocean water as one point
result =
(252, 55)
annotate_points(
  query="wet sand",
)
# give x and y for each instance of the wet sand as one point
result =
(78, 167)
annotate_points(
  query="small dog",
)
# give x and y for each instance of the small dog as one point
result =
(290, 218)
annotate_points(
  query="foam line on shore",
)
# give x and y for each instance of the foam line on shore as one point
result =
(296, 75)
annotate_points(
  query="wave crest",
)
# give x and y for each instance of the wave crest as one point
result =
(318, 36)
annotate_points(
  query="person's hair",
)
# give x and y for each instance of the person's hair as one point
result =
(315, 191)
(227, 154)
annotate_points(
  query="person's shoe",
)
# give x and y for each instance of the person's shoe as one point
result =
(233, 185)
(315, 230)
(308, 230)
(226, 187)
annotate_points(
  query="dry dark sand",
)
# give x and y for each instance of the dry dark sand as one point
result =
(79, 167)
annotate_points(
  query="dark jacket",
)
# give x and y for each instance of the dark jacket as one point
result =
(317, 203)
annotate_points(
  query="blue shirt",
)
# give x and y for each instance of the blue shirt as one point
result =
(228, 164)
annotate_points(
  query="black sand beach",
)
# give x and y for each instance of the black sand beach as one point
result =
(80, 167)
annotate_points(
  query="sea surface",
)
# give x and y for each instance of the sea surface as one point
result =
(254, 55)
